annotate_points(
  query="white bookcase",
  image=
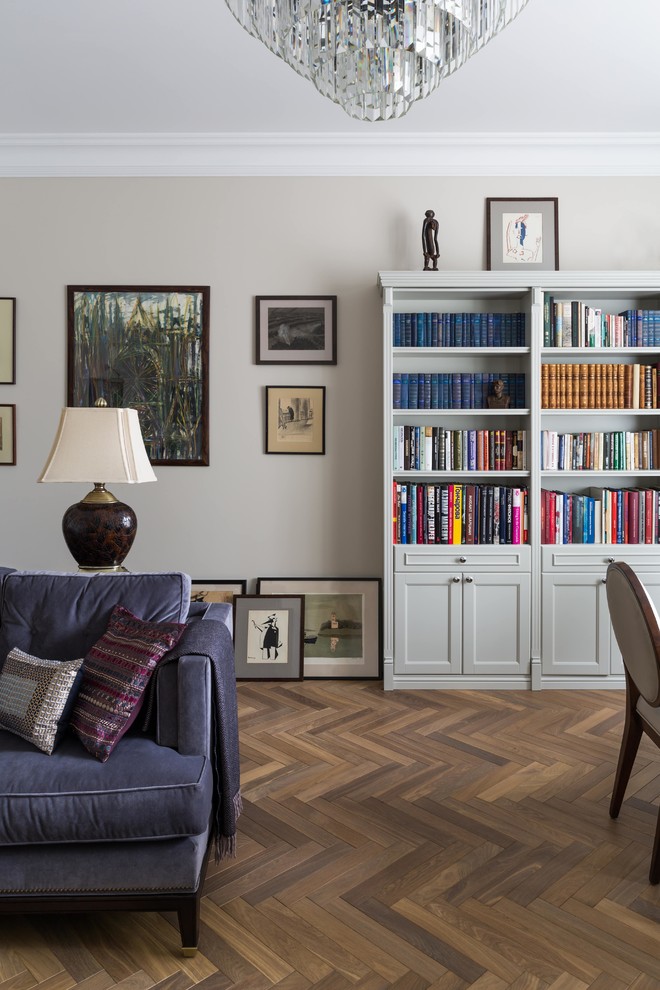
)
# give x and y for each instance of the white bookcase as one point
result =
(508, 615)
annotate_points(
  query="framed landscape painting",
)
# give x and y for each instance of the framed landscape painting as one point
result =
(268, 634)
(343, 622)
(296, 329)
(295, 419)
(522, 234)
(145, 347)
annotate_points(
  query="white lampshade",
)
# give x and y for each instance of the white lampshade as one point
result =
(98, 444)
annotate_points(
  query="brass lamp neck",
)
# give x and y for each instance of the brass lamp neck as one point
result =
(99, 495)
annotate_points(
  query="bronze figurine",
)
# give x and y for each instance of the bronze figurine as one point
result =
(498, 400)
(430, 241)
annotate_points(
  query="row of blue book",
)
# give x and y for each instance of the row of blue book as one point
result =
(458, 330)
(454, 390)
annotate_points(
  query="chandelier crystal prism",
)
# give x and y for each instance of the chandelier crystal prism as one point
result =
(375, 58)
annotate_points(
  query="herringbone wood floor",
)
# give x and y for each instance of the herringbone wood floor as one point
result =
(437, 840)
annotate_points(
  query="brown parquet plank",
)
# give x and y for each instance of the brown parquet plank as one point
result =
(411, 840)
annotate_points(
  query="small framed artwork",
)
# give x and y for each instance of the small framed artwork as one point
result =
(343, 622)
(296, 329)
(145, 347)
(295, 419)
(8, 340)
(522, 233)
(7, 435)
(217, 591)
(268, 637)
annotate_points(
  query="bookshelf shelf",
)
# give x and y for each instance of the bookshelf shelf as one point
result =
(544, 621)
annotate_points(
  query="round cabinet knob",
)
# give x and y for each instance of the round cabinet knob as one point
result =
(604, 580)
(610, 560)
(456, 580)
(469, 580)
(462, 560)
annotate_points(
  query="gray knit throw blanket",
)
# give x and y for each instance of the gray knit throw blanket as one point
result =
(210, 638)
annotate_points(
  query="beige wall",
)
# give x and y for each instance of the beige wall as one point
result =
(250, 514)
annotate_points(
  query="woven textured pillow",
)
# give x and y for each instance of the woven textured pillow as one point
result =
(116, 672)
(34, 695)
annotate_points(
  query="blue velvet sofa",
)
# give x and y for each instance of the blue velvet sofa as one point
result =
(132, 833)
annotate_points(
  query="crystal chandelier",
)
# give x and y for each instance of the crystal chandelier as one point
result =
(375, 57)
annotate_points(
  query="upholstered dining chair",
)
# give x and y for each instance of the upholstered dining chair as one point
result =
(637, 630)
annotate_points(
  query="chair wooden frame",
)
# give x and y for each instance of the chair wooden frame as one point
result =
(635, 725)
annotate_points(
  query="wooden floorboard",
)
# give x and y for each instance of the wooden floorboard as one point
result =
(411, 840)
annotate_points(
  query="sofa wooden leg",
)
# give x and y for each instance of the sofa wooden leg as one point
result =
(188, 915)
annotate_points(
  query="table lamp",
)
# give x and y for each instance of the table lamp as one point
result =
(99, 442)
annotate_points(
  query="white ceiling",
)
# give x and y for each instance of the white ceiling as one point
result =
(185, 67)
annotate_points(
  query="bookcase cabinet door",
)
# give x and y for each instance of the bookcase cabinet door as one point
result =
(576, 629)
(496, 623)
(427, 624)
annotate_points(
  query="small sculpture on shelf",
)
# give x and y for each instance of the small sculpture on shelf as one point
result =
(498, 400)
(430, 242)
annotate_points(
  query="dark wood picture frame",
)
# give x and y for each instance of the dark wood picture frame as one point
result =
(352, 655)
(522, 233)
(217, 591)
(296, 329)
(7, 435)
(292, 419)
(7, 340)
(137, 341)
(265, 647)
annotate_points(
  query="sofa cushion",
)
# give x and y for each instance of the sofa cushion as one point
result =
(36, 697)
(145, 791)
(59, 615)
(116, 672)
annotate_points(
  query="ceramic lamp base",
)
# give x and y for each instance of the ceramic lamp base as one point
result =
(99, 534)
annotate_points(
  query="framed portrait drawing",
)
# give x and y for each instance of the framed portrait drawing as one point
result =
(522, 234)
(343, 623)
(296, 329)
(145, 347)
(217, 591)
(7, 435)
(268, 635)
(295, 419)
(7, 340)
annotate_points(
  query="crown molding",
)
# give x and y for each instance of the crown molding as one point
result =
(331, 154)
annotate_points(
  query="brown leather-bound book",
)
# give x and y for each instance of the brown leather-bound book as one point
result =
(571, 389)
(621, 391)
(599, 387)
(627, 393)
(609, 389)
(561, 387)
(545, 386)
(591, 385)
(583, 377)
(552, 386)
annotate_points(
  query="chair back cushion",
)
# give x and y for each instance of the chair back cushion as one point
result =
(59, 616)
(635, 624)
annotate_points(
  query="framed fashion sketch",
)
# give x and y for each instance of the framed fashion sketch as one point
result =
(522, 234)
(268, 637)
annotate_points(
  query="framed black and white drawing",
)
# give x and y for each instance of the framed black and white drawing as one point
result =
(295, 419)
(522, 234)
(343, 622)
(296, 329)
(7, 340)
(268, 637)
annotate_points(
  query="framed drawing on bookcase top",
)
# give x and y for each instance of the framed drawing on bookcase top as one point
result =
(7, 435)
(343, 624)
(295, 419)
(7, 340)
(296, 329)
(522, 234)
(268, 637)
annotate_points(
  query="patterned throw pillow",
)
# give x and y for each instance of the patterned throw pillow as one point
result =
(116, 672)
(34, 695)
